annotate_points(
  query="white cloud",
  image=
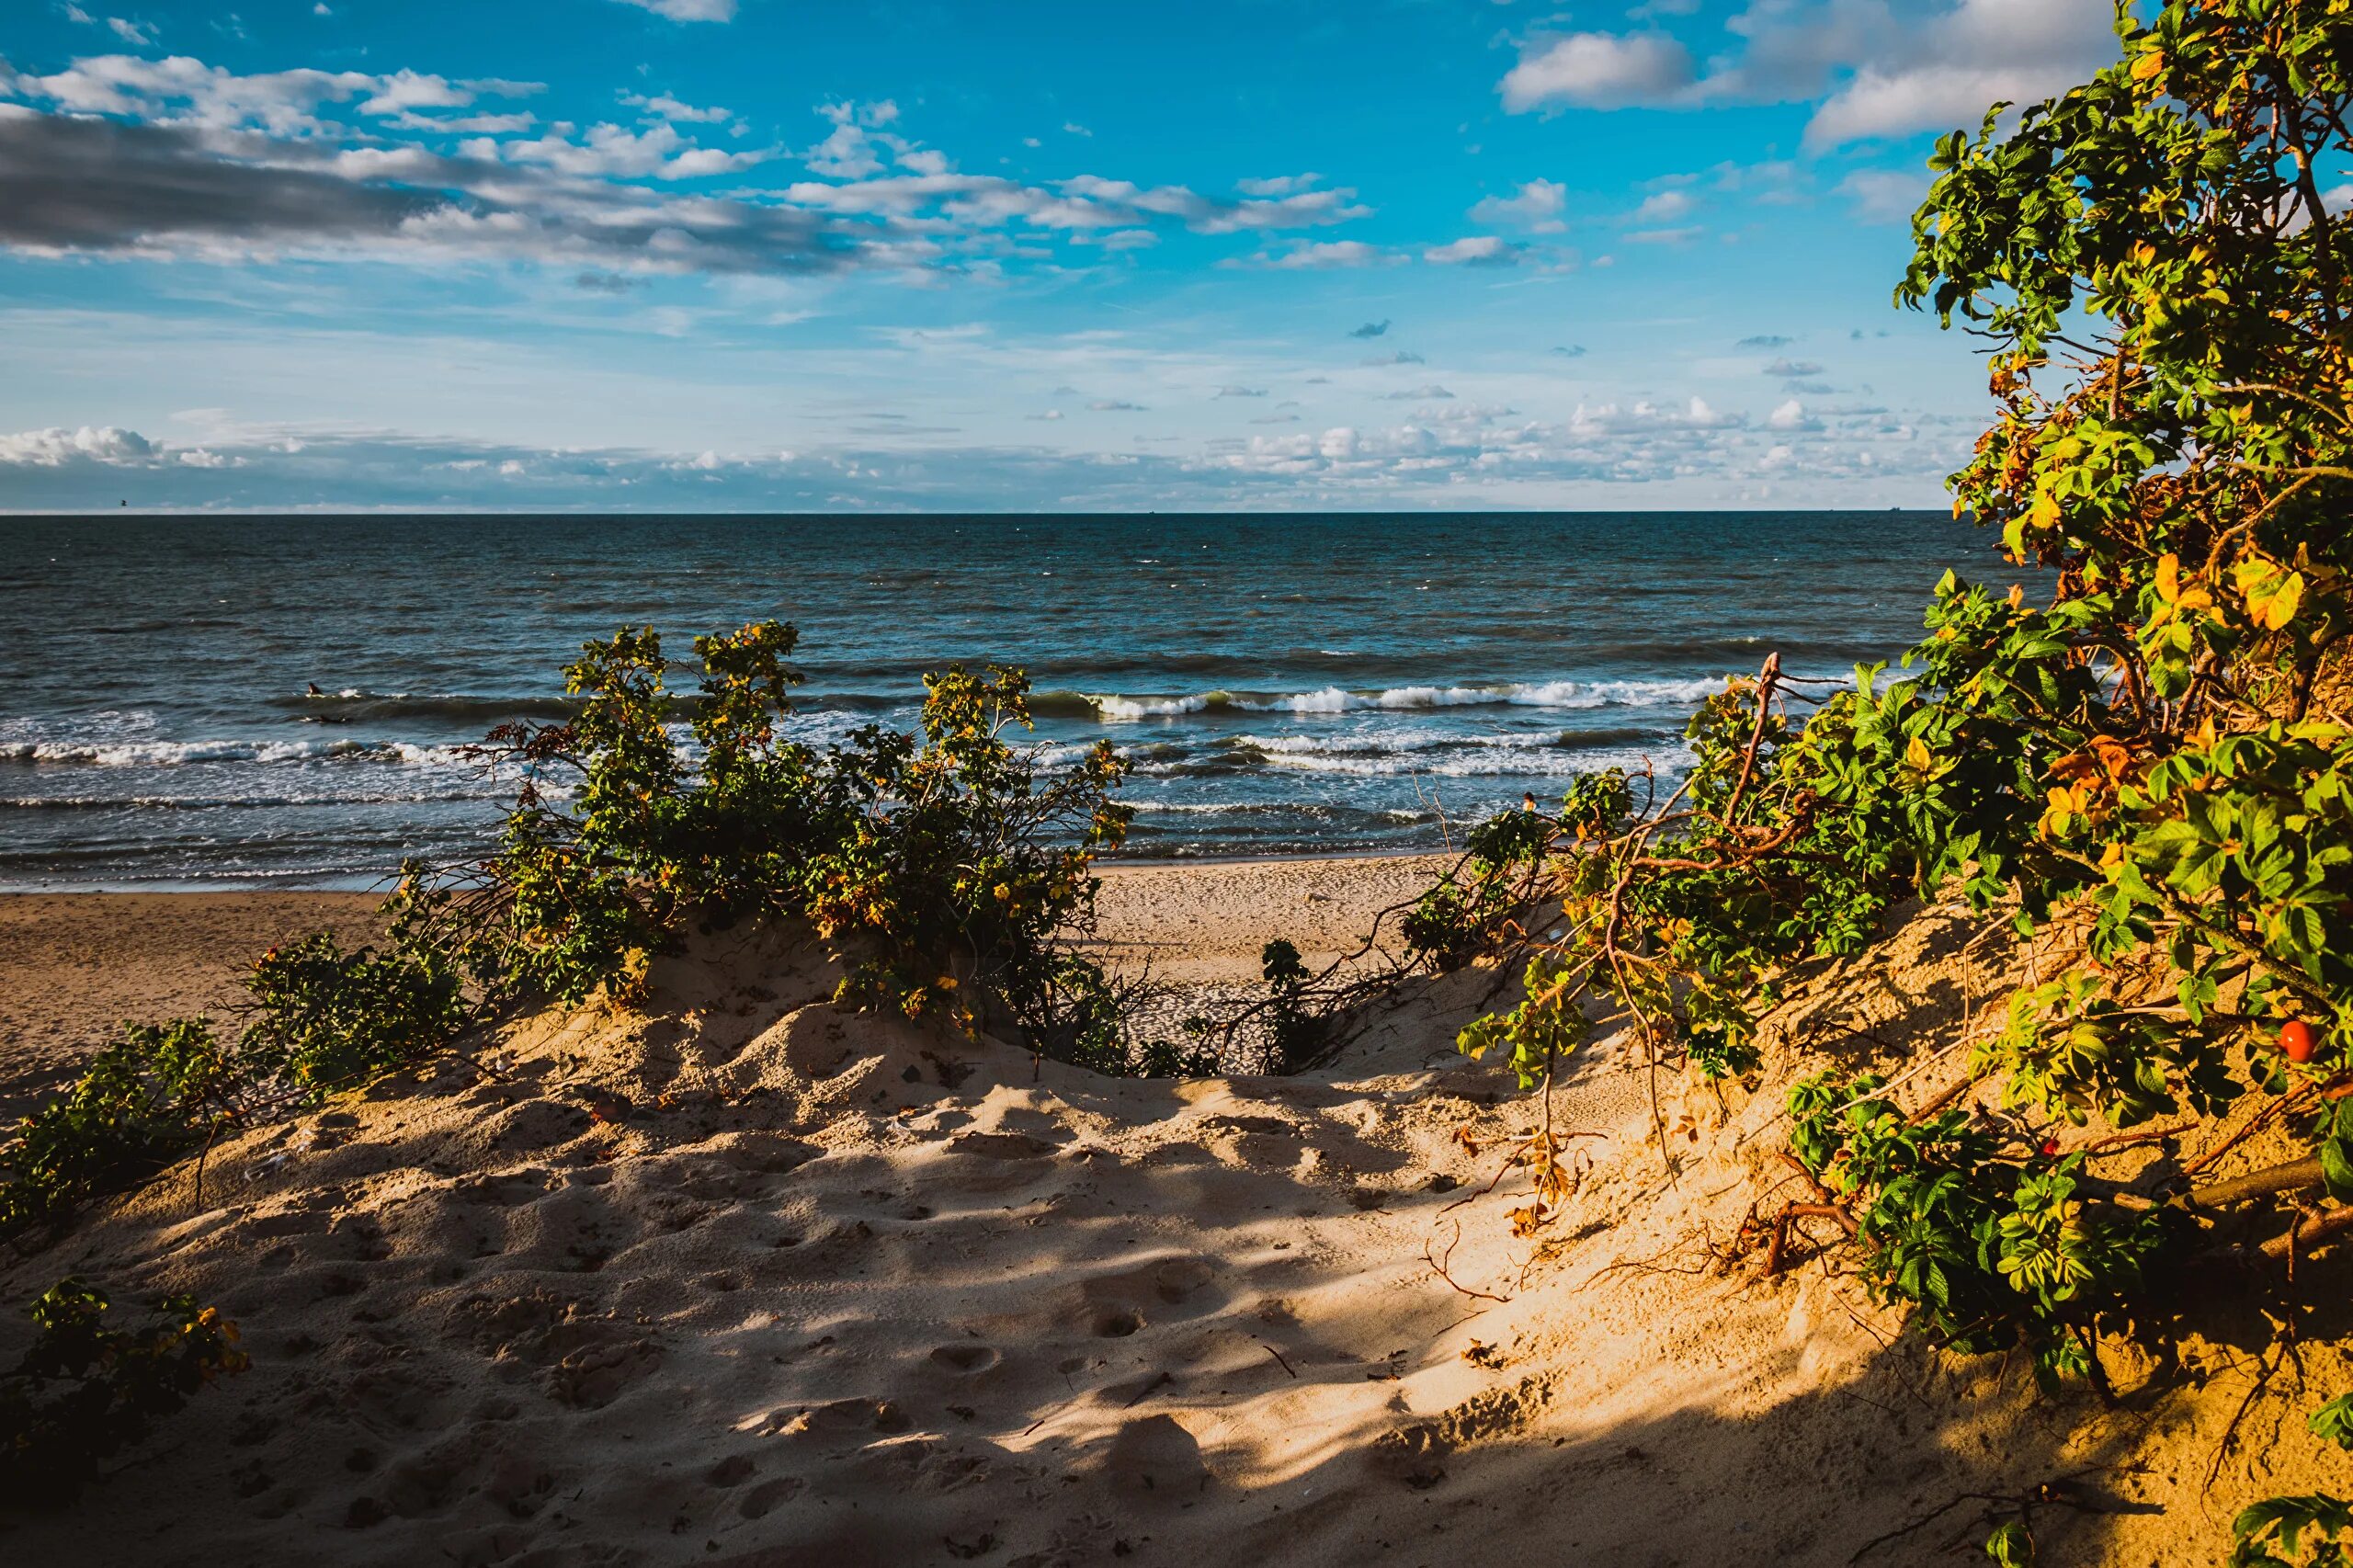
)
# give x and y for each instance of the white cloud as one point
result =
(1598, 71)
(1325, 256)
(56, 446)
(1536, 206)
(688, 10)
(1474, 250)
(1612, 452)
(609, 151)
(661, 105)
(180, 90)
(176, 158)
(1877, 68)
(405, 89)
(849, 152)
(1665, 207)
(135, 34)
(1884, 196)
(1979, 52)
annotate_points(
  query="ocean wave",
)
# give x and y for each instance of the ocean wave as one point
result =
(353, 704)
(1562, 694)
(245, 802)
(1490, 765)
(176, 753)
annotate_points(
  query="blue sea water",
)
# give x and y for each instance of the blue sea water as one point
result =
(1285, 684)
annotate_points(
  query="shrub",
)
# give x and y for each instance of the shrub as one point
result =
(2154, 762)
(321, 1020)
(135, 1108)
(85, 1391)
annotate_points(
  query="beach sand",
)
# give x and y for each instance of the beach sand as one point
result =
(744, 1279)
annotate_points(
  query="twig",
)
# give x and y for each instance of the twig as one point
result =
(1438, 1267)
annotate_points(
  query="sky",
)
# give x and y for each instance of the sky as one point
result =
(873, 254)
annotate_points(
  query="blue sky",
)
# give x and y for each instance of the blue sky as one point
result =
(863, 255)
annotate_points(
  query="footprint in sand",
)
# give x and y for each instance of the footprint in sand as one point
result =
(763, 1499)
(968, 1357)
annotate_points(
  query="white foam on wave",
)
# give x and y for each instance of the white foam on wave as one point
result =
(1114, 707)
(1399, 699)
(174, 754)
(1482, 765)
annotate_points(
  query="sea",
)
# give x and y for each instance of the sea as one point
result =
(216, 702)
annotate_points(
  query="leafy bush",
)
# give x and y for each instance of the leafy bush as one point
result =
(85, 1391)
(941, 864)
(944, 867)
(1995, 1252)
(2152, 768)
(321, 1020)
(1474, 905)
(2312, 1531)
(135, 1108)
(1293, 1031)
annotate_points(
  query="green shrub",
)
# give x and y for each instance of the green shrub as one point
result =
(2154, 769)
(139, 1104)
(85, 1391)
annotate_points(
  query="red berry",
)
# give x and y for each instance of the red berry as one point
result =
(2297, 1041)
(2050, 1147)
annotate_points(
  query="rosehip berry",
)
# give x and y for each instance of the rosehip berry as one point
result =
(2297, 1041)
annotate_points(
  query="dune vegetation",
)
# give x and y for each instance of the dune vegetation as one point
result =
(2106, 818)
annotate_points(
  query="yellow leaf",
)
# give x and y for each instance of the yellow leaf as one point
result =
(2148, 65)
(2169, 576)
(2271, 595)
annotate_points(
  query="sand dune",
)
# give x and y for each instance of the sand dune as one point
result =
(745, 1278)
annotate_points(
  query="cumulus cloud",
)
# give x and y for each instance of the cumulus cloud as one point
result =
(1598, 71)
(1665, 207)
(1877, 68)
(1241, 392)
(1403, 357)
(1372, 329)
(1786, 368)
(1323, 256)
(1115, 405)
(1434, 458)
(1570, 350)
(1766, 340)
(1977, 53)
(56, 446)
(607, 152)
(661, 105)
(93, 185)
(175, 158)
(1536, 206)
(688, 10)
(1474, 250)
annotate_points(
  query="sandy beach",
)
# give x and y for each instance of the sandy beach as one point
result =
(745, 1278)
(75, 965)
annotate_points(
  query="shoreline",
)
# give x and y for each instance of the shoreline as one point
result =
(1107, 867)
(75, 963)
